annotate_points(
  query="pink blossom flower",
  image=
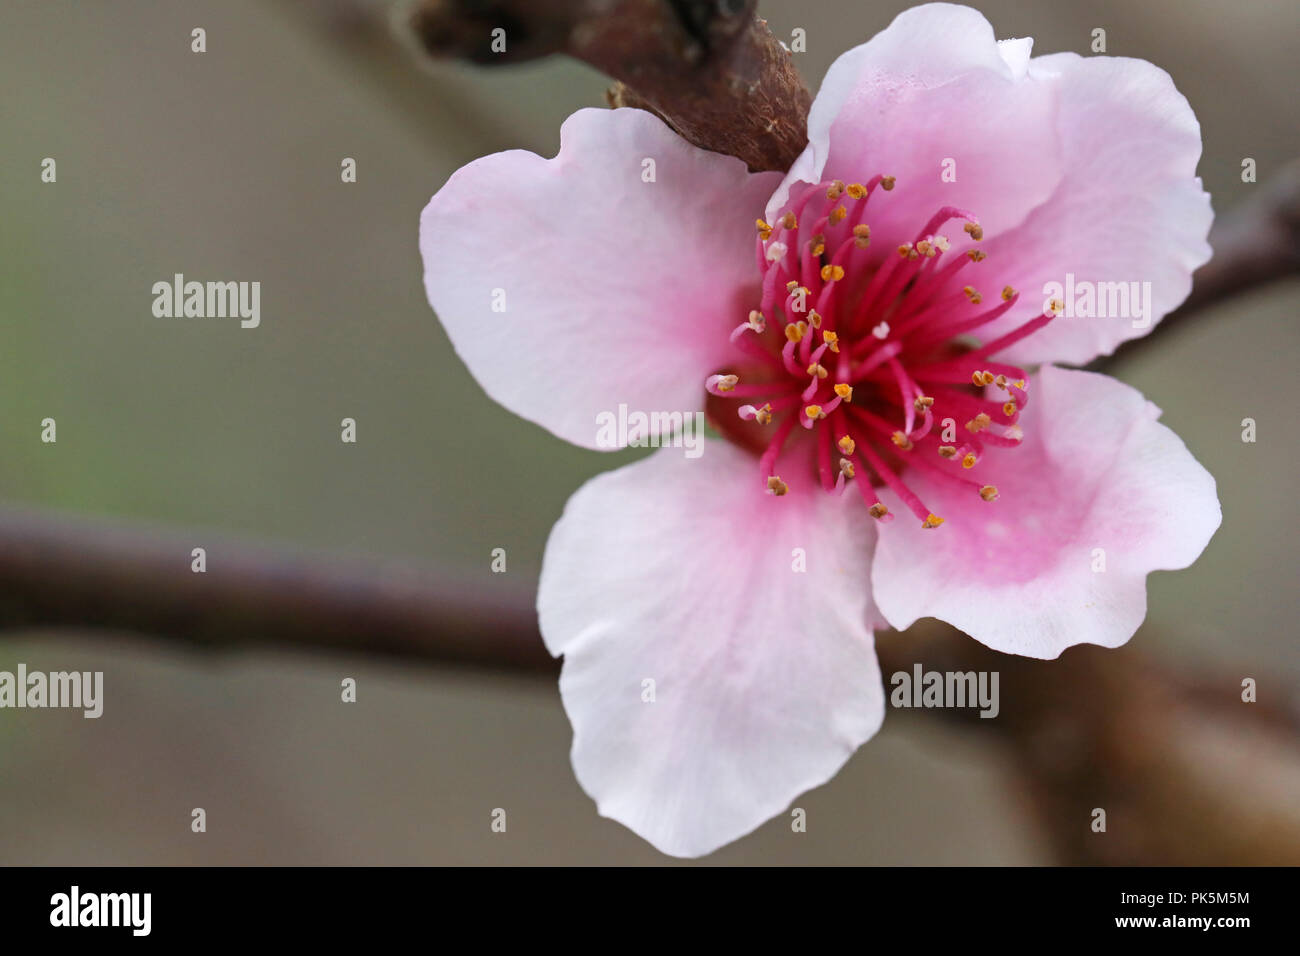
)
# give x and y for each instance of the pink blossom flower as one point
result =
(875, 352)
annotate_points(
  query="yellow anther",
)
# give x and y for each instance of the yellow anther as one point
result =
(846, 468)
(776, 486)
(887, 182)
(877, 510)
(794, 331)
(818, 244)
(1009, 409)
(847, 445)
(814, 412)
(836, 190)
(832, 273)
(901, 440)
(977, 378)
(726, 383)
(941, 243)
(1008, 293)
(979, 422)
(973, 230)
(838, 214)
(862, 235)
(924, 248)
(969, 460)
(923, 402)
(791, 285)
(764, 230)
(763, 415)
(1055, 307)
(988, 493)
(1001, 381)
(817, 370)
(976, 255)
(947, 451)
(856, 190)
(933, 521)
(815, 319)
(789, 221)
(756, 321)
(832, 340)
(987, 377)
(844, 391)
(905, 251)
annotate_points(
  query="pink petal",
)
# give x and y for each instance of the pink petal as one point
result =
(616, 290)
(934, 86)
(1130, 208)
(1095, 470)
(680, 571)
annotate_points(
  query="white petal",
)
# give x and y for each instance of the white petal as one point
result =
(1098, 495)
(616, 290)
(681, 572)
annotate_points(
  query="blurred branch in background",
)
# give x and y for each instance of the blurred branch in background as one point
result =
(1098, 728)
(1254, 243)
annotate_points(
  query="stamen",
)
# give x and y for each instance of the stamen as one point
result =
(721, 384)
(905, 310)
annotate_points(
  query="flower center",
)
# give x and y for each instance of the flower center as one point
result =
(868, 355)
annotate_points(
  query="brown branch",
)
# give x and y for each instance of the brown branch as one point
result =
(709, 68)
(73, 572)
(1187, 773)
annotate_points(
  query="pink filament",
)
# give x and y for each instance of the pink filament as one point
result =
(912, 375)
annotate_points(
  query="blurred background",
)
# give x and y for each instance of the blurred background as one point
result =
(225, 165)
